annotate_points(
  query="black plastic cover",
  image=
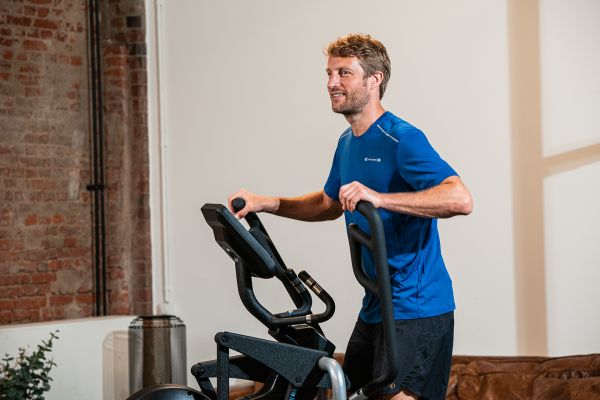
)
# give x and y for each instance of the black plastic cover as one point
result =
(233, 237)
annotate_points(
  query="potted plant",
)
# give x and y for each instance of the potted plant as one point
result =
(28, 375)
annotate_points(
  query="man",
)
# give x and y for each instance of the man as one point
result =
(388, 162)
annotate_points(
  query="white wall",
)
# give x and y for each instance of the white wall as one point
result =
(245, 105)
(570, 61)
(573, 258)
(91, 355)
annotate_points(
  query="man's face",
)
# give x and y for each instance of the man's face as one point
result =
(347, 85)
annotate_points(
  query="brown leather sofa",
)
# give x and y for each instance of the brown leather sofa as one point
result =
(511, 378)
(520, 378)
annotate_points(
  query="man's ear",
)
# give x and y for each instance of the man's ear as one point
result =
(376, 78)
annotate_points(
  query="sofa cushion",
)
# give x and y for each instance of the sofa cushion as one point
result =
(487, 377)
(571, 367)
(566, 389)
(511, 386)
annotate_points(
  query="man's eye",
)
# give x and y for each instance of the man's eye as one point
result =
(344, 73)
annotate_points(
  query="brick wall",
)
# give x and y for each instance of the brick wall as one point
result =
(125, 84)
(45, 210)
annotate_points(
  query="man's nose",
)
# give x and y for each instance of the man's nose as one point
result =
(333, 81)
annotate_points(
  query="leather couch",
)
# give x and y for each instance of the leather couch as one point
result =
(520, 378)
(510, 378)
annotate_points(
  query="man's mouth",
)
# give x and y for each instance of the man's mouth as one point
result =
(337, 95)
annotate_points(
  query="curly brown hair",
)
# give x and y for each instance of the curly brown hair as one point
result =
(371, 54)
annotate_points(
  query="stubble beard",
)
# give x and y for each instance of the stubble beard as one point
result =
(354, 104)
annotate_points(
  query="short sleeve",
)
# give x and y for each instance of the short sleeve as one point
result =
(332, 186)
(419, 164)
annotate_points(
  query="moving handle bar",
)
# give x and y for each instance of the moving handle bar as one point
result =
(381, 287)
(302, 315)
(288, 277)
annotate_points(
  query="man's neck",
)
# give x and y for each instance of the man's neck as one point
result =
(361, 122)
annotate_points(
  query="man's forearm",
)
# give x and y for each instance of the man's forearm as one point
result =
(312, 207)
(443, 201)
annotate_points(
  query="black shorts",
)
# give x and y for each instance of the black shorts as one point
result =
(424, 355)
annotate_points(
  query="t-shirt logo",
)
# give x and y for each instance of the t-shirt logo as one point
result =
(370, 159)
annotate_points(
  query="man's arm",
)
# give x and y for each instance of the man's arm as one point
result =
(316, 206)
(449, 198)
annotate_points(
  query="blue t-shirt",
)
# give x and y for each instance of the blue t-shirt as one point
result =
(393, 156)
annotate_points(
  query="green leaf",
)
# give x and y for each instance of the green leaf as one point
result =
(27, 375)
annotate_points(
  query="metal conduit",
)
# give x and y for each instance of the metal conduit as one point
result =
(97, 185)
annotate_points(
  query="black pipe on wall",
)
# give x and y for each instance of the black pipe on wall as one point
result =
(97, 185)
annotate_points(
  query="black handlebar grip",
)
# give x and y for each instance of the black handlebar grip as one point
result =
(365, 208)
(238, 203)
(310, 282)
(321, 294)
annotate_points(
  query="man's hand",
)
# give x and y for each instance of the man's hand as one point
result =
(352, 193)
(254, 203)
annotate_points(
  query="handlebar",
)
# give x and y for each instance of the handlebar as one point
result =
(321, 294)
(299, 295)
(288, 277)
(375, 242)
(238, 204)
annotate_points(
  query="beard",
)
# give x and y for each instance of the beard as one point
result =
(355, 102)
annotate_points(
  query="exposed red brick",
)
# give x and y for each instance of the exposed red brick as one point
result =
(36, 138)
(18, 20)
(13, 292)
(31, 219)
(55, 265)
(15, 279)
(33, 91)
(29, 79)
(58, 300)
(6, 42)
(36, 45)
(32, 302)
(43, 184)
(6, 304)
(42, 12)
(6, 244)
(29, 10)
(32, 33)
(26, 315)
(5, 317)
(44, 277)
(45, 23)
(87, 298)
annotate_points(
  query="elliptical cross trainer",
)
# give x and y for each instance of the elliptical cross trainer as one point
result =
(300, 363)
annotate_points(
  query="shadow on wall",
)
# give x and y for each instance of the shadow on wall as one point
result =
(115, 366)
